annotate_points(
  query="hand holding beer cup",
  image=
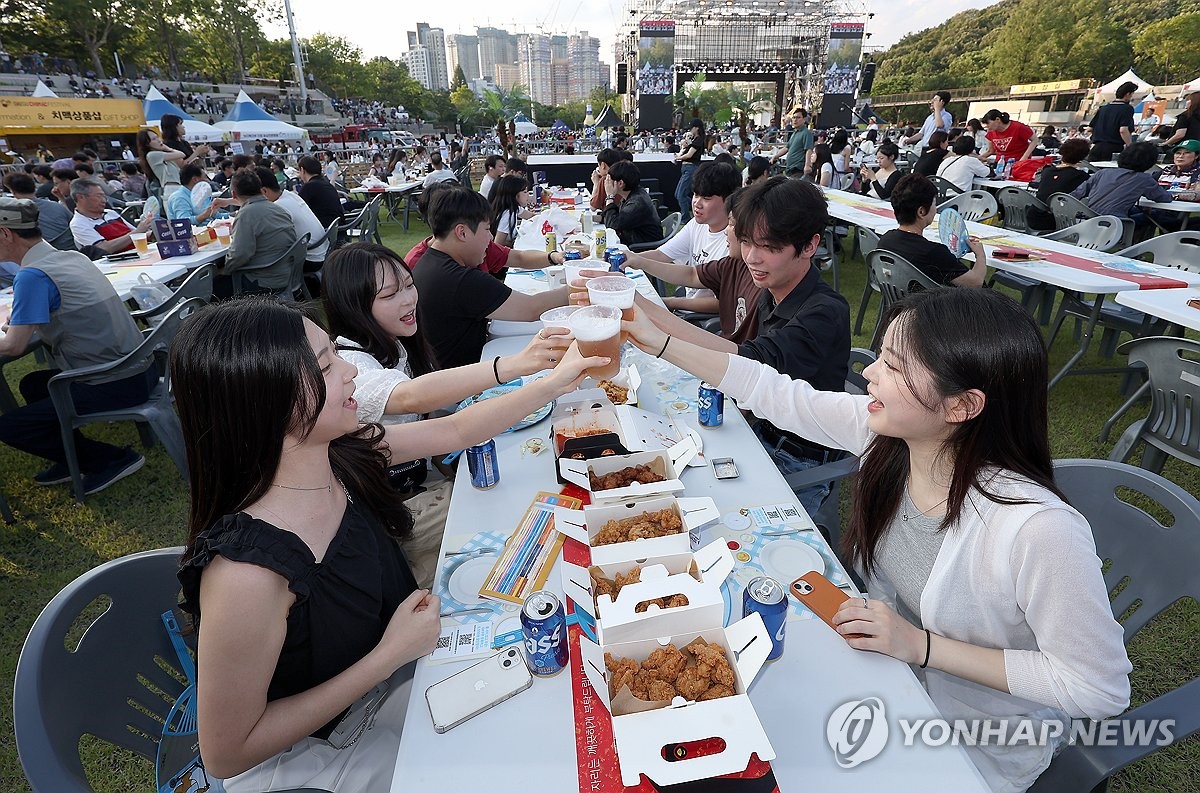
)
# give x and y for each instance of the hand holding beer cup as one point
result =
(574, 366)
(643, 333)
(577, 281)
(597, 331)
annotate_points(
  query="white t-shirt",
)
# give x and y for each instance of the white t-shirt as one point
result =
(508, 225)
(961, 170)
(485, 185)
(373, 384)
(83, 228)
(694, 245)
(306, 223)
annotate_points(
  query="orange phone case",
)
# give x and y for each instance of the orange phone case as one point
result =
(823, 599)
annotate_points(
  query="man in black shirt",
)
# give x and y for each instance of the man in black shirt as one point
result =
(803, 324)
(322, 197)
(915, 203)
(1112, 126)
(629, 210)
(456, 298)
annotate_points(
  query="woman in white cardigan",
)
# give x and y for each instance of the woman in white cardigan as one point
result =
(979, 572)
(371, 306)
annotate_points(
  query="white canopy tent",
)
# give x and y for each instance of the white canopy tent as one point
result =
(1190, 86)
(247, 121)
(1110, 89)
(42, 91)
(156, 106)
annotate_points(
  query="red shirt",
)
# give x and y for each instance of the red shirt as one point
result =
(495, 258)
(1011, 142)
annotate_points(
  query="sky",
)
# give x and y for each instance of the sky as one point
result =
(378, 26)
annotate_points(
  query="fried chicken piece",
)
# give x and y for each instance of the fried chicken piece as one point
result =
(615, 393)
(634, 576)
(612, 532)
(643, 474)
(712, 663)
(640, 685)
(621, 672)
(644, 606)
(667, 662)
(716, 692)
(675, 601)
(602, 586)
(692, 683)
(660, 690)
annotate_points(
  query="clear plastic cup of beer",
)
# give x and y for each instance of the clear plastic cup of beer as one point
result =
(597, 330)
(613, 290)
(559, 318)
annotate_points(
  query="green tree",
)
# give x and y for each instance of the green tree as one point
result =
(460, 78)
(1058, 39)
(95, 22)
(389, 81)
(501, 104)
(337, 65)
(1171, 47)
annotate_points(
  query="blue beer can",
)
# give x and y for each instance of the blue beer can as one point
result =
(573, 255)
(484, 465)
(767, 596)
(615, 260)
(710, 405)
(537, 194)
(544, 624)
(608, 253)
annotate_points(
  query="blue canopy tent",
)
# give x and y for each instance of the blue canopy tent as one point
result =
(247, 121)
(559, 126)
(156, 106)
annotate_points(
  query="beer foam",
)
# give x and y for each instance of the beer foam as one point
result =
(591, 328)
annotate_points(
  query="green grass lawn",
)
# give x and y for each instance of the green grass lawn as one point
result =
(53, 540)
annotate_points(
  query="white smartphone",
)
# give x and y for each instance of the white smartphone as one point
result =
(477, 688)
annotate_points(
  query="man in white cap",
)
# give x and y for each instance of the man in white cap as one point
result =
(82, 322)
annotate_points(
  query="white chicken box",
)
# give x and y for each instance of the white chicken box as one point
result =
(647, 733)
(585, 422)
(696, 576)
(693, 514)
(667, 464)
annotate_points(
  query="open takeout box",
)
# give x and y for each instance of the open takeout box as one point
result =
(628, 378)
(646, 738)
(697, 575)
(586, 425)
(583, 525)
(667, 463)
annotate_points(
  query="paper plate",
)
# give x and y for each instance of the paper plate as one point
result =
(468, 576)
(952, 230)
(786, 560)
(495, 391)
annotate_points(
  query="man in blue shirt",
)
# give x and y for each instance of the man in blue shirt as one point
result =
(938, 120)
(181, 203)
(82, 322)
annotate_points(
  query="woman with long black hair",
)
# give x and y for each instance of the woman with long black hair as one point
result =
(979, 572)
(510, 200)
(371, 305)
(292, 570)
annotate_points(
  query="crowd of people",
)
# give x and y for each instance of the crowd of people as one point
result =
(309, 434)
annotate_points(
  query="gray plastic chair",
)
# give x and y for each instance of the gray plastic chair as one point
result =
(670, 224)
(867, 241)
(1015, 204)
(1069, 210)
(60, 695)
(298, 252)
(1156, 566)
(1098, 233)
(293, 257)
(1180, 249)
(157, 413)
(1172, 427)
(825, 257)
(197, 285)
(827, 515)
(977, 205)
(946, 189)
(896, 277)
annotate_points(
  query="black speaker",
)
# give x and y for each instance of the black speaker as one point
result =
(622, 77)
(868, 78)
